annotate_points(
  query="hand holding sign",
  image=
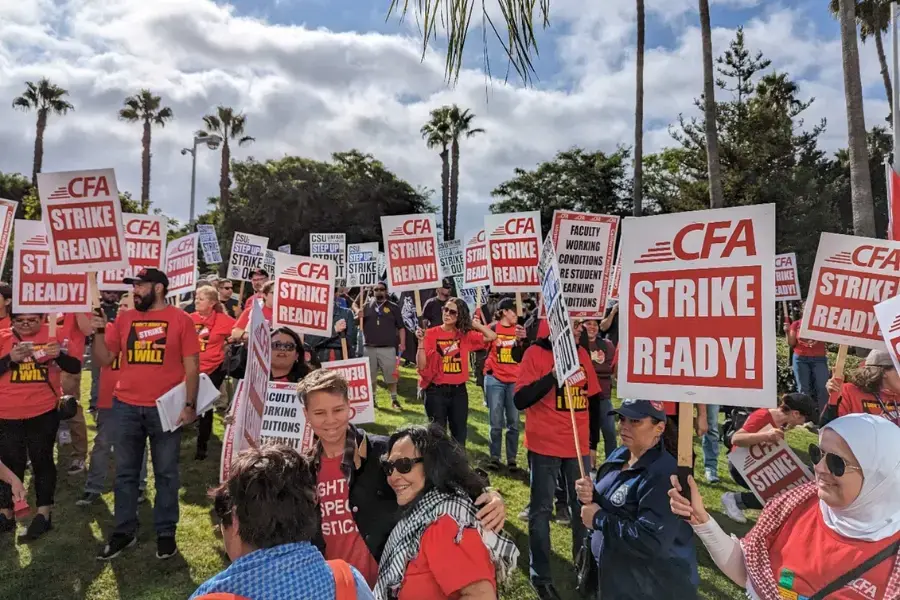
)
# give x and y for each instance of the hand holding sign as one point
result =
(693, 509)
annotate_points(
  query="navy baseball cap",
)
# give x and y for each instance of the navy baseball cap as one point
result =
(638, 409)
(147, 276)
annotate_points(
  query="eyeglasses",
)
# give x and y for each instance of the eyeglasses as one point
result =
(450, 311)
(226, 287)
(27, 321)
(837, 466)
(403, 465)
(284, 346)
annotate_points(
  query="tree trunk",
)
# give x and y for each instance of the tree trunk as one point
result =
(38, 146)
(454, 188)
(145, 168)
(860, 178)
(716, 195)
(445, 190)
(639, 116)
(885, 75)
(224, 202)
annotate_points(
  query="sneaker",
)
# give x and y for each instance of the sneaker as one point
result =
(711, 476)
(76, 467)
(38, 527)
(524, 514)
(563, 516)
(729, 503)
(513, 467)
(117, 543)
(7, 524)
(165, 548)
(546, 591)
(142, 496)
(201, 454)
(87, 499)
(396, 404)
(493, 464)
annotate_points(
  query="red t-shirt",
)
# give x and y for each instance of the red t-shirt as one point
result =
(109, 377)
(816, 555)
(445, 566)
(24, 392)
(342, 538)
(454, 352)
(806, 347)
(244, 320)
(548, 424)
(853, 400)
(153, 346)
(68, 331)
(757, 421)
(5, 322)
(212, 331)
(500, 362)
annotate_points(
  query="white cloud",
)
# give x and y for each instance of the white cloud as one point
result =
(312, 92)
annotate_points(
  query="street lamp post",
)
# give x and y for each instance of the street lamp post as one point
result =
(212, 142)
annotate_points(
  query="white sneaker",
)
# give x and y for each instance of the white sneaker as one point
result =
(729, 503)
(711, 476)
(76, 467)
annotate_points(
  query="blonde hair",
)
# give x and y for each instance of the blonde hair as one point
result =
(322, 380)
(868, 379)
(210, 293)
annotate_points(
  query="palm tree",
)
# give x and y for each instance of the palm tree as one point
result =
(460, 127)
(145, 107)
(639, 115)
(436, 133)
(229, 126)
(45, 98)
(716, 194)
(860, 179)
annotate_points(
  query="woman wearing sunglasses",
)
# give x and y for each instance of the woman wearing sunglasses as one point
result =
(873, 389)
(288, 356)
(641, 549)
(832, 539)
(439, 548)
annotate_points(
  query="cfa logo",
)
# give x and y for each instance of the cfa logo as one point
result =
(700, 240)
(760, 451)
(82, 187)
(142, 227)
(184, 244)
(311, 270)
(517, 226)
(879, 257)
(478, 238)
(416, 226)
(784, 261)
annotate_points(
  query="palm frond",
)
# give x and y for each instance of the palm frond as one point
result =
(246, 140)
(129, 114)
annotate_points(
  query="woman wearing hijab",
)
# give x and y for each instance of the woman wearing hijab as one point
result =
(832, 539)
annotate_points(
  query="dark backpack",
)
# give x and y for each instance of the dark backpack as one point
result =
(733, 422)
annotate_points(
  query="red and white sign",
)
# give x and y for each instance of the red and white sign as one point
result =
(893, 198)
(851, 275)
(304, 294)
(697, 297)
(787, 281)
(475, 261)
(7, 216)
(888, 315)
(83, 216)
(35, 288)
(615, 279)
(283, 419)
(410, 245)
(181, 264)
(769, 469)
(584, 244)
(145, 242)
(513, 251)
(362, 397)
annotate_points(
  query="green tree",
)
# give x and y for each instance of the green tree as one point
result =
(436, 133)
(460, 128)
(146, 108)
(45, 98)
(228, 125)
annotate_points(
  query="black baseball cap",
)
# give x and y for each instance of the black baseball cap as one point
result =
(447, 283)
(262, 272)
(147, 276)
(507, 304)
(638, 409)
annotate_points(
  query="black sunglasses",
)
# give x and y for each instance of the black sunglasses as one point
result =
(450, 311)
(284, 346)
(837, 466)
(403, 465)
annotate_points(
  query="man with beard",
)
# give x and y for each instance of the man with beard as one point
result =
(159, 350)
(258, 278)
(432, 311)
(383, 328)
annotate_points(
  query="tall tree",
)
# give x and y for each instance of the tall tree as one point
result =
(436, 133)
(460, 128)
(228, 125)
(638, 194)
(716, 195)
(45, 98)
(860, 178)
(145, 107)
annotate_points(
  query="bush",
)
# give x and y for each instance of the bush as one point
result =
(786, 383)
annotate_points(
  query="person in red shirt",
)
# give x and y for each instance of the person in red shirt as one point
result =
(30, 365)
(602, 351)
(443, 360)
(258, 279)
(873, 389)
(72, 331)
(288, 357)
(159, 350)
(809, 360)
(834, 538)
(438, 549)
(501, 369)
(239, 333)
(5, 305)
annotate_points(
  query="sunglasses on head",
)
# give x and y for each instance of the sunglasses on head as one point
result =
(836, 465)
(403, 465)
(284, 346)
(450, 311)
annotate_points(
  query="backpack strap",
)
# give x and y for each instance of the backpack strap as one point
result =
(857, 572)
(344, 584)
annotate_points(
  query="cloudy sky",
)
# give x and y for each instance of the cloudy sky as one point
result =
(319, 76)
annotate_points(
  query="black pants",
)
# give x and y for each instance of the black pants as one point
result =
(34, 438)
(480, 358)
(745, 499)
(205, 423)
(449, 404)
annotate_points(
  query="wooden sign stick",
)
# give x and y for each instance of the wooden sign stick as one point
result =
(571, 403)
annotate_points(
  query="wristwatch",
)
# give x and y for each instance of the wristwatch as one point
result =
(190, 405)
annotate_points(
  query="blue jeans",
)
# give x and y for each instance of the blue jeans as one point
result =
(544, 472)
(103, 451)
(503, 411)
(133, 425)
(710, 440)
(602, 422)
(811, 374)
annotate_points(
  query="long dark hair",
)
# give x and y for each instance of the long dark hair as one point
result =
(299, 369)
(446, 465)
(463, 316)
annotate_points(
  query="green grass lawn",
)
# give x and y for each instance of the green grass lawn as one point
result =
(61, 566)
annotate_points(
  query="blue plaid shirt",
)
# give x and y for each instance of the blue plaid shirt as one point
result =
(286, 572)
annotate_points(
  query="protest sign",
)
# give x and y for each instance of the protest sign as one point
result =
(212, 255)
(181, 264)
(698, 298)
(35, 288)
(362, 265)
(286, 248)
(475, 261)
(850, 276)
(410, 243)
(584, 245)
(451, 254)
(304, 294)
(382, 266)
(145, 244)
(269, 263)
(228, 438)
(333, 247)
(769, 469)
(565, 352)
(513, 251)
(248, 252)
(283, 418)
(787, 281)
(362, 397)
(83, 217)
(7, 216)
(888, 315)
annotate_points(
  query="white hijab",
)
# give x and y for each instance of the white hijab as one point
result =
(875, 514)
